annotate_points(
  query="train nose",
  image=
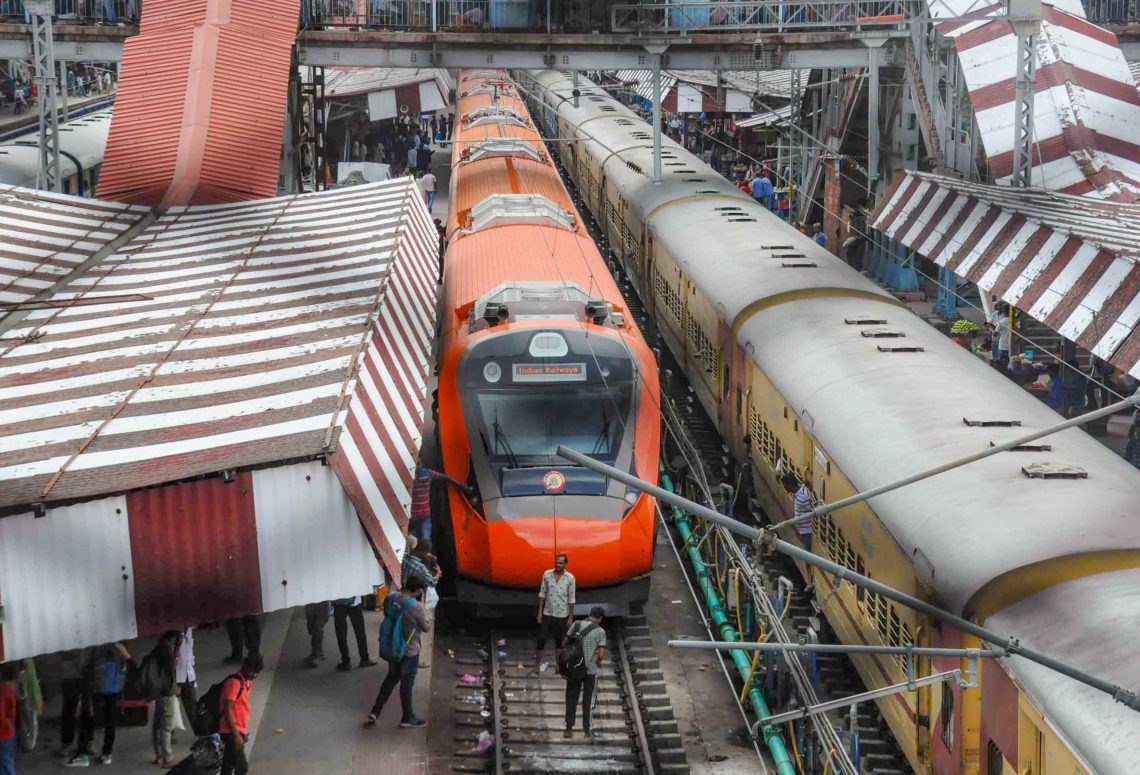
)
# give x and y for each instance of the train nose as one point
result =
(522, 548)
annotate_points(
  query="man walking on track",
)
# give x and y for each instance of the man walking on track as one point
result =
(556, 598)
(593, 638)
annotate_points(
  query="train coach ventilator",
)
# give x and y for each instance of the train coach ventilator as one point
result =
(509, 715)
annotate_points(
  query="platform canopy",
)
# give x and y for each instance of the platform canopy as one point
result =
(220, 416)
(391, 92)
(1072, 262)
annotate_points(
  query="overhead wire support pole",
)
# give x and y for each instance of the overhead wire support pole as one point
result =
(657, 119)
(769, 542)
(40, 13)
(1026, 18)
(845, 702)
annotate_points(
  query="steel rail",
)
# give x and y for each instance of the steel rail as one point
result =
(769, 542)
(634, 708)
(497, 764)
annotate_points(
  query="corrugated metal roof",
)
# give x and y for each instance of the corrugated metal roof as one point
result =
(243, 352)
(769, 118)
(352, 81)
(270, 333)
(774, 83)
(1086, 106)
(194, 123)
(1071, 262)
(45, 237)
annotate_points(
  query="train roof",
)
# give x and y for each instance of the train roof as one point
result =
(965, 528)
(83, 138)
(1090, 623)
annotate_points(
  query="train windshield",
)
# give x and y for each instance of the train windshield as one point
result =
(523, 428)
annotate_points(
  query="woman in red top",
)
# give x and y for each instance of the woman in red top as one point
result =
(8, 675)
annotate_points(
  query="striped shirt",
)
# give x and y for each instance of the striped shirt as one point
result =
(591, 642)
(803, 506)
(421, 492)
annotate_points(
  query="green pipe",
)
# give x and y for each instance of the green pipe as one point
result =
(743, 664)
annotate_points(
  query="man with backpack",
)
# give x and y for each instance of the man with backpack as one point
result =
(105, 679)
(405, 617)
(579, 663)
(233, 723)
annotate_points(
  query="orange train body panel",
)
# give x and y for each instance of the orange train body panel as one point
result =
(505, 403)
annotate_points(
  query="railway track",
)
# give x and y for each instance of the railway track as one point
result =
(860, 732)
(510, 715)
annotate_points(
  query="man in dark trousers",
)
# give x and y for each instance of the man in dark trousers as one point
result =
(593, 638)
(403, 671)
(234, 726)
(557, 595)
(345, 610)
(245, 630)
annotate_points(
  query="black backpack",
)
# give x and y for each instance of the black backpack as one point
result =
(571, 659)
(148, 680)
(209, 708)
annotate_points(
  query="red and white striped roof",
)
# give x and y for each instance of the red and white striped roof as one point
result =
(1071, 262)
(1086, 106)
(44, 237)
(270, 331)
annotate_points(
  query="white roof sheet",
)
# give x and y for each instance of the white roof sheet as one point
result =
(1072, 262)
(351, 81)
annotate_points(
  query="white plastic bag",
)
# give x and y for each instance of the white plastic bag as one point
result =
(431, 598)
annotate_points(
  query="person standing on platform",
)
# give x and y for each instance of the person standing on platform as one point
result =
(407, 605)
(316, 617)
(166, 706)
(187, 678)
(345, 610)
(8, 712)
(244, 630)
(104, 679)
(234, 726)
(1002, 339)
(820, 238)
(593, 638)
(450, 125)
(428, 184)
(413, 155)
(556, 597)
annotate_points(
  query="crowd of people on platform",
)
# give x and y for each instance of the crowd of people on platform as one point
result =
(80, 81)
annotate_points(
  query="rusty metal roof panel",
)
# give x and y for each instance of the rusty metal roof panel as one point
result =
(1072, 262)
(244, 351)
(1086, 104)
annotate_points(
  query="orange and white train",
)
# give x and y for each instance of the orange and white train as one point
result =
(537, 351)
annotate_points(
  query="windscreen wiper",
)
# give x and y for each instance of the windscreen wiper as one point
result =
(501, 437)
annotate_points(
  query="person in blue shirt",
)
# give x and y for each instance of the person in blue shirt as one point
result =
(820, 238)
(762, 190)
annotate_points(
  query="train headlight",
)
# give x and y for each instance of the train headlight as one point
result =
(492, 372)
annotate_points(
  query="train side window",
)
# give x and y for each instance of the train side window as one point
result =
(947, 716)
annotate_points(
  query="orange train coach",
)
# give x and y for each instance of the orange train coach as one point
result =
(537, 351)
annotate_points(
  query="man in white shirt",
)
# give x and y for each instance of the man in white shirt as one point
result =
(427, 183)
(556, 598)
(1002, 338)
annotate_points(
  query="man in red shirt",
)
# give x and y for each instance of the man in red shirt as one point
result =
(8, 675)
(234, 726)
